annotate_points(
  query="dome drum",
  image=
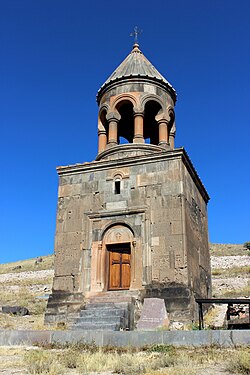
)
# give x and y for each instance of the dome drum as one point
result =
(136, 106)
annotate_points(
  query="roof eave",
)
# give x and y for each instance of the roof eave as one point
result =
(163, 84)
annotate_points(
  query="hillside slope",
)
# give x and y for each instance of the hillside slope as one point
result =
(28, 283)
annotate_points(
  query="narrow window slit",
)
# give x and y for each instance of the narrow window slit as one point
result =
(117, 187)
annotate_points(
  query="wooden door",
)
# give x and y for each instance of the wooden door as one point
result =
(119, 267)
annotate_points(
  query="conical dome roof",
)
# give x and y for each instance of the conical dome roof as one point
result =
(136, 65)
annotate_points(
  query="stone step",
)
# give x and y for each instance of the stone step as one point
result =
(99, 305)
(106, 305)
(72, 318)
(97, 327)
(103, 312)
(73, 315)
(102, 320)
(117, 292)
(111, 298)
(113, 295)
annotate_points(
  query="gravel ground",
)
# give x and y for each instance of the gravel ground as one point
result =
(36, 275)
(230, 261)
(220, 283)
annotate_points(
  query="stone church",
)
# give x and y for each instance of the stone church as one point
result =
(132, 224)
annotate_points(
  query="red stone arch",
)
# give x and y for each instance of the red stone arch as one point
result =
(125, 105)
(102, 120)
(102, 128)
(150, 97)
(124, 97)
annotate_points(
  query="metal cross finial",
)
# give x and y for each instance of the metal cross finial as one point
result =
(135, 34)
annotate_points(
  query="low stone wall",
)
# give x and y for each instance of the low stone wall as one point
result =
(133, 338)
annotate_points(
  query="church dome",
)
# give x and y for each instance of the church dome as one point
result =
(136, 110)
(136, 66)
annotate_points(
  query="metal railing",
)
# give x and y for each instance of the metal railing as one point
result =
(229, 301)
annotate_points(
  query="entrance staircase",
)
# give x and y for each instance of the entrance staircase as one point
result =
(109, 311)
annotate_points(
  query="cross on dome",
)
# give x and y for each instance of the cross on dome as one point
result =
(135, 34)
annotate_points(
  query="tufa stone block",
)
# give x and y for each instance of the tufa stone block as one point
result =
(154, 315)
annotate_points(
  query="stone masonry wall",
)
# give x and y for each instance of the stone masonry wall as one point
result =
(169, 226)
(196, 227)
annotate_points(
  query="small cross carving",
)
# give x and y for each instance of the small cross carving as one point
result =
(118, 235)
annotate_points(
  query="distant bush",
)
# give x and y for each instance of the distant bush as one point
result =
(247, 245)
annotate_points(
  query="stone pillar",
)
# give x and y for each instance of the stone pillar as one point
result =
(171, 140)
(113, 119)
(113, 127)
(163, 133)
(102, 140)
(138, 128)
(172, 136)
(98, 267)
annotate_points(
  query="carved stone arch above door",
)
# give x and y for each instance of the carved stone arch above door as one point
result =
(118, 234)
(116, 259)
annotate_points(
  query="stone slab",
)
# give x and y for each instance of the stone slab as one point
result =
(12, 337)
(154, 315)
(79, 336)
(133, 338)
(116, 205)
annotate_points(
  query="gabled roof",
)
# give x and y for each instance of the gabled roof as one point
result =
(138, 66)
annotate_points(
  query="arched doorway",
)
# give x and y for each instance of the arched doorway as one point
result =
(118, 245)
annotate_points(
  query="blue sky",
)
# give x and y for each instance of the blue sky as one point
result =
(54, 56)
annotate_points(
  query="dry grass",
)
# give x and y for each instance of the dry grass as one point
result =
(231, 272)
(24, 296)
(211, 315)
(235, 293)
(24, 291)
(80, 359)
(11, 357)
(30, 281)
(100, 361)
(28, 265)
(22, 322)
(217, 249)
(174, 362)
(240, 363)
(43, 362)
